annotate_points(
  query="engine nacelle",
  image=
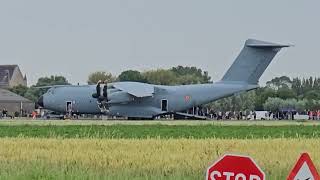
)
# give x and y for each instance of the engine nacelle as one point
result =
(119, 97)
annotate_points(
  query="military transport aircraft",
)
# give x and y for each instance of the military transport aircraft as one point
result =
(141, 100)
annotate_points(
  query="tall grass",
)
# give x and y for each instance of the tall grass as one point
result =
(54, 158)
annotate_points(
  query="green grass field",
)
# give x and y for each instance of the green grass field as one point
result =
(160, 131)
(148, 149)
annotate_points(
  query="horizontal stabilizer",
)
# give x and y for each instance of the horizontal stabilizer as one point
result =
(262, 44)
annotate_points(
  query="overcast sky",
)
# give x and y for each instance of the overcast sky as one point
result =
(75, 37)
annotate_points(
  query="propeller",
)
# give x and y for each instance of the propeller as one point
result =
(101, 92)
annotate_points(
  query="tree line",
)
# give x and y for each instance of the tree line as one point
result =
(174, 76)
(279, 94)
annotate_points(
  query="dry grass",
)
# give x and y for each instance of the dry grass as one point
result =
(152, 157)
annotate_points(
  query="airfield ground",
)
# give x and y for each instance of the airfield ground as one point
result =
(148, 149)
(157, 122)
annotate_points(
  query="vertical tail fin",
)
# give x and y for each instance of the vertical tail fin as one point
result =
(252, 61)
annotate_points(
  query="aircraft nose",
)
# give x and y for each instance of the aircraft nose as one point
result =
(40, 102)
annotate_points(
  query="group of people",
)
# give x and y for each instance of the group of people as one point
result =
(314, 115)
(267, 115)
(4, 113)
(220, 115)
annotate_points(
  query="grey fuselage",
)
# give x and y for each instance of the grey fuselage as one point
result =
(180, 98)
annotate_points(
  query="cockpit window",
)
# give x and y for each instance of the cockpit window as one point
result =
(50, 91)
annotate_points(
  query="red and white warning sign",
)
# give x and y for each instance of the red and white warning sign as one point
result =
(234, 167)
(304, 169)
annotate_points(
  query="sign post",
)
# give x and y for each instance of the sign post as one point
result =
(234, 167)
(304, 169)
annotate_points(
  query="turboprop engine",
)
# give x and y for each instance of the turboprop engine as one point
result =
(107, 95)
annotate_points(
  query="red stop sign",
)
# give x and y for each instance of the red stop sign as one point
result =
(235, 167)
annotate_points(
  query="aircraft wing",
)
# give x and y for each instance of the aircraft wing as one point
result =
(135, 88)
(51, 86)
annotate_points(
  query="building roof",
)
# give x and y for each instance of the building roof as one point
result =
(6, 72)
(8, 96)
(8, 68)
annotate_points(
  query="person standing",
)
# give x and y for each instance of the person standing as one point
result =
(101, 92)
(4, 112)
(98, 89)
(34, 114)
(105, 91)
(310, 115)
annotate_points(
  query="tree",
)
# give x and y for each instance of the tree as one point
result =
(240, 102)
(273, 104)
(20, 90)
(33, 93)
(262, 94)
(286, 93)
(131, 75)
(312, 104)
(297, 86)
(301, 105)
(188, 79)
(280, 82)
(317, 84)
(100, 75)
(52, 80)
(247, 100)
(289, 105)
(190, 75)
(160, 76)
(175, 76)
(312, 94)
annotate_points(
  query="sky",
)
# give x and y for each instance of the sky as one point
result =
(76, 37)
